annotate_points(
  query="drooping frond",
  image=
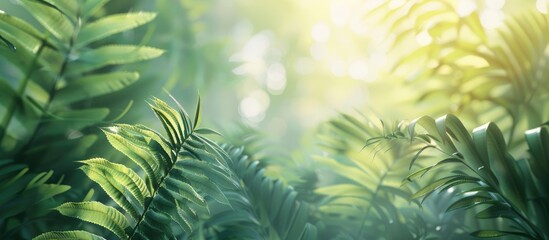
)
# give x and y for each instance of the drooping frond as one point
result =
(262, 208)
(178, 171)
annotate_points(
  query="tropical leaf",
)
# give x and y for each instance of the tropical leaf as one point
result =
(24, 193)
(111, 55)
(112, 24)
(69, 235)
(498, 180)
(367, 198)
(177, 175)
(95, 85)
(261, 209)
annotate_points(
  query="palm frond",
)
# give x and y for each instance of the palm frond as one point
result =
(472, 65)
(491, 177)
(364, 197)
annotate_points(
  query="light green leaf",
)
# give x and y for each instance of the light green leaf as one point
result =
(110, 25)
(496, 211)
(90, 7)
(436, 185)
(111, 55)
(197, 115)
(22, 34)
(51, 19)
(95, 85)
(138, 155)
(423, 171)
(68, 235)
(468, 202)
(68, 8)
(122, 184)
(97, 213)
(497, 233)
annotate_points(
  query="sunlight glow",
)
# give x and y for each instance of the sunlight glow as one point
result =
(276, 78)
(492, 18)
(253, 106)
(378, 59)
(466, 7)
(467, 194)
(424, 38)
(396, 3)
(113, 129)
(340, 12)
(253, 55)
(494, 4)
(337, 67)
(358, 70)
(319, 51)
(542, 6)
(320, 32)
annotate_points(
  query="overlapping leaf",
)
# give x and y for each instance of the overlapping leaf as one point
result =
(492, 176)
(177, 175)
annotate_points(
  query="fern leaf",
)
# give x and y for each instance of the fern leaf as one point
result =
(94, 85)
(120, 183)
(51, 19)
(97, 213)
(110, 25)
(24, 34)
(259, 201)
(69, 235)
(111, 55)
(497, 233)
(137, 155)
(8, 43)
(68, 8)
(90, 7)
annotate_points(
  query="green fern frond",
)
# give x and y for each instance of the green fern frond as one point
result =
(178, 173)
(43, 122)
(69, 235)
(24, 193)
(58, 66)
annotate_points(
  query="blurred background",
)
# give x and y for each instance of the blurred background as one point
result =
(286, 66)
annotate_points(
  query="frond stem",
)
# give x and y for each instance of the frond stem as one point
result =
(20, 91)
(148, 204)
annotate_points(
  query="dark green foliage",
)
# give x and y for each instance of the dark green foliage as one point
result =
(261, 209)
(491, 177)
(27, 195)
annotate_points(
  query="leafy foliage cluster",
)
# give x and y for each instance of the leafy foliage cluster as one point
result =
(63, 65)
